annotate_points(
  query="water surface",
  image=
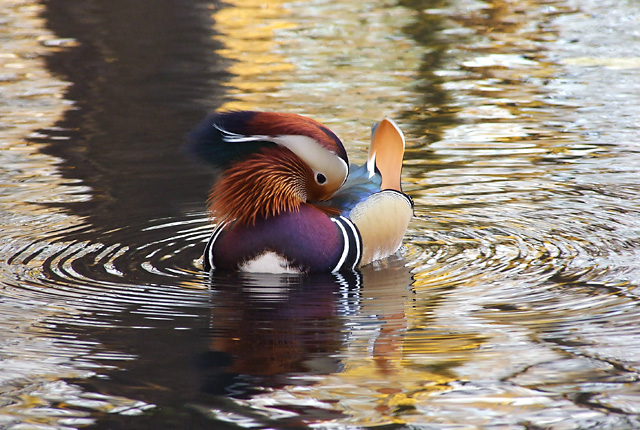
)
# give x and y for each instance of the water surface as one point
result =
(512, 305)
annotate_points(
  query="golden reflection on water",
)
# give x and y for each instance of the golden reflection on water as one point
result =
(32, 101)
(507, 301)
(314, 58)
(247, 29)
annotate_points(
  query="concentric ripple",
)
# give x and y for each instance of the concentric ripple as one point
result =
(99, 276)
(513, 303)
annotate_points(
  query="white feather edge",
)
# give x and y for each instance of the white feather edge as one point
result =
(268, 262)
(371, 161)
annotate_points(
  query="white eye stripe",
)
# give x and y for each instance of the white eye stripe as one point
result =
(231, 137)
(318, 158)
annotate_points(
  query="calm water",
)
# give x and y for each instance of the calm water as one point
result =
(515, 302)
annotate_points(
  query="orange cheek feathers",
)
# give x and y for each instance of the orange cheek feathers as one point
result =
(316, 192)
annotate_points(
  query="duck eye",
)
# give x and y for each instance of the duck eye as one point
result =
(321, 179)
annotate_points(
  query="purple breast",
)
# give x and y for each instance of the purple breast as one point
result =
(308, 239)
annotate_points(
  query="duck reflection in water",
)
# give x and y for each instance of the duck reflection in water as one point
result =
(266, 330)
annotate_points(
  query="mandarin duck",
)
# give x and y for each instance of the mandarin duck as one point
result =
(286, 199)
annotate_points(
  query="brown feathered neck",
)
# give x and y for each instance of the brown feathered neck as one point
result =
(265, 184)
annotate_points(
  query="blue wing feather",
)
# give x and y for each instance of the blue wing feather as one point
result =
(358, 187)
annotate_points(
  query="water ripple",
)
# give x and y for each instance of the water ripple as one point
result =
(514, 302)
(93, 276)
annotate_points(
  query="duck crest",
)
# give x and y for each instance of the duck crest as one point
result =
(277, 123)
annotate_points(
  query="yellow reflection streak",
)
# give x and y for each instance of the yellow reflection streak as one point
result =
(247, 31)
(322, 59)
(32, 99)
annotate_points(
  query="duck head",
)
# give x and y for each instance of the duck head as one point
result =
(269, 163)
